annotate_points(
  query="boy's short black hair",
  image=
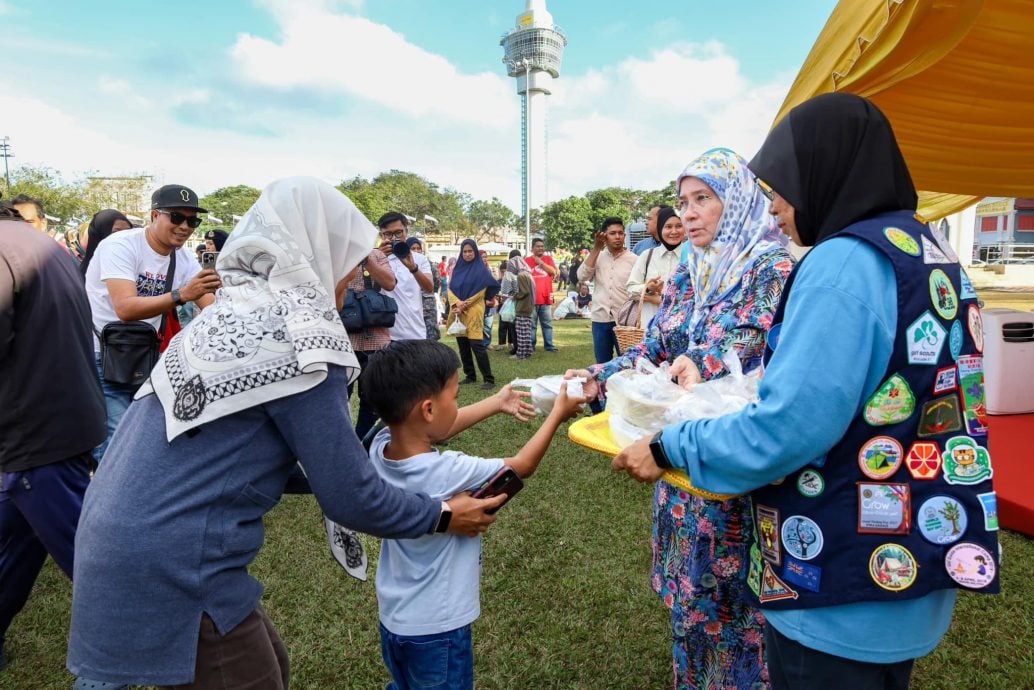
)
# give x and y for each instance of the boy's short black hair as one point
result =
(404, 373)
(389, 218)
(611, 220)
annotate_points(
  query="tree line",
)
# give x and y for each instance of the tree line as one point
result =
(441, 213)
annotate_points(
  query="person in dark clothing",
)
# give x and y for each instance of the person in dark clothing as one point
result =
(102, 225)
(46, 374)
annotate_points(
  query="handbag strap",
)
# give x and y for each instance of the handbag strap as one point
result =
(169, 277)
(642, 294)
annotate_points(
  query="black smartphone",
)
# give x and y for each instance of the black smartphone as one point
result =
(208, 260)
(505, 481)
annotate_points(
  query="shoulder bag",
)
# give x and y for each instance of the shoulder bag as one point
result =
(130, 349)
(629, 313)
(368, 308)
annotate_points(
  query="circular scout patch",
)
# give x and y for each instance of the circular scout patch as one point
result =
(893, 567)
(802, 538)
(942, 520)
(970, 565)
(955, 339)
(880, 457)
(976, 327)
(942, 294)
(810, 483)
(902, 240)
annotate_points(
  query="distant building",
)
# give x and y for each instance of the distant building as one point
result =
(1004, 229)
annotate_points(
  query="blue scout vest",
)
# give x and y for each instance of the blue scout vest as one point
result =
(903, 505)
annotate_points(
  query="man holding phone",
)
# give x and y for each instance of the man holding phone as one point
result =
(608, 266)
(128, 281)
(412, 278)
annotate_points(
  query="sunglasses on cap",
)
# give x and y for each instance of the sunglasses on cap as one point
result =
(177, 218)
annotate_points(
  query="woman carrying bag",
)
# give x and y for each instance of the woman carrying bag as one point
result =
(471, 286)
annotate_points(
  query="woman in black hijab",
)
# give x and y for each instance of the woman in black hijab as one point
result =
(834, 159)
(858, 352)
(101, 226)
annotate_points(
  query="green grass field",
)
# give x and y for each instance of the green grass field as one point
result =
(565, 599)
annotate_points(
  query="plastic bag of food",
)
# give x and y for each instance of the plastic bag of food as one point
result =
(545, 389)
(640, 396)
(730, 393)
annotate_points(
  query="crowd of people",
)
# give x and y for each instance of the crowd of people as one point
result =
(185, 428)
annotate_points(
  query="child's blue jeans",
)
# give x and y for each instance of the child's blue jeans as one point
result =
(442, 661)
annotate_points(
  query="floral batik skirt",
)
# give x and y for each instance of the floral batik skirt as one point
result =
(700, 561)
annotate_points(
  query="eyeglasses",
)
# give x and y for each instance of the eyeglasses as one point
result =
(698, 202)
(392, 234)
(765, 189)
(177, 218)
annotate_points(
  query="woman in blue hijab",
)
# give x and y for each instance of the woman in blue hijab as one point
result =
(471, 285)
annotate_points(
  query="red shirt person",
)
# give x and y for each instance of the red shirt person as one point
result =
(543, 268)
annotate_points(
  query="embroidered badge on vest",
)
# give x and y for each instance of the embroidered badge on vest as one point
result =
(976, 327)
(971, 385)
(966, 290)
(942, 294)
(902, 240)
(810, 483)
(880, 457)
(768, 528)
(970, 565)
(942, 520)
(940, 416)
(924, 460)
(772, 588)
(892, 403)
(965, 462)
(884, 508)
(893, 567)
(989, 502)
(802, 537)
(804, 575)
(946, 380)
(955, 339)
(926, 338)
(932, 254)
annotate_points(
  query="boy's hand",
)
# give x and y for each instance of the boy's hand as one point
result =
(591, 388)
(514, 403)
(468, 513)
(565, 407)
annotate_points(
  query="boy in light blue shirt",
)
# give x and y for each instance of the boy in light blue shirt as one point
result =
(428, 589)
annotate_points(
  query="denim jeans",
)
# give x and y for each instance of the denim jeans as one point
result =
(543, 314)
(791, 665)
(116, 400)
(605, 347)
(429, 662)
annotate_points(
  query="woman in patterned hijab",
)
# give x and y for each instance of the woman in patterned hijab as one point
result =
(720, 299)
(256, 386)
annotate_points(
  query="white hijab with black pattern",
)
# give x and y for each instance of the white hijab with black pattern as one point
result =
(274, 327)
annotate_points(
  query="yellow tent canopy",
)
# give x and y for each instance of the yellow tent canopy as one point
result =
(956, 80)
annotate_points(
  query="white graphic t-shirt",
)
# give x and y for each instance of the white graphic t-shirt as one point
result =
(409, 321)
(126, 255)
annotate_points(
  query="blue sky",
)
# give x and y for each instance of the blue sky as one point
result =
(244, 91)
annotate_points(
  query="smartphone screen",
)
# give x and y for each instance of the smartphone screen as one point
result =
(505, 481)
(208, 260)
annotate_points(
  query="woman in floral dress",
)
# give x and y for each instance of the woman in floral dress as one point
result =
(721, 297)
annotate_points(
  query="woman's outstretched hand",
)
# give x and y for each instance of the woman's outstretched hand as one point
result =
(515, 403)
(468, 513)
(685, 372)
(637, 461)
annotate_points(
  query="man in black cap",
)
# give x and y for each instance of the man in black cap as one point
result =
(127, 280)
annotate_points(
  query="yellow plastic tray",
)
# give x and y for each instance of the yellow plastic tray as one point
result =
(594, 433)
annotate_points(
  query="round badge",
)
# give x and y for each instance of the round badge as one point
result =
(942, 294)
(970, 565)
(893, 567)
(976, 327)
(942, 520)
(810, 483)
(802, 538)
(880, 457)
(955, 339)
(902, 240)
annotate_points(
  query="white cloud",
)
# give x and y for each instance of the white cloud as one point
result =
(328, 52)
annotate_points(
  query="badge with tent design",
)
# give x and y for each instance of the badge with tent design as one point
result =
(965, 462)
(893, 567)
(772, 588)
(880, 457)
(932, 254)
(893, 402)
(971, 385)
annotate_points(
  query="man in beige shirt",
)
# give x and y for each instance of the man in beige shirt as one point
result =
(609, 271)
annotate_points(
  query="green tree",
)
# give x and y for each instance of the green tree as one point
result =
(435, 211)
(60, 199)
(488, 216)
(227, 202)
(568, 223)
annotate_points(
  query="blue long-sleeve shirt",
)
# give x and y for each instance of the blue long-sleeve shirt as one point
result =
(833, 350)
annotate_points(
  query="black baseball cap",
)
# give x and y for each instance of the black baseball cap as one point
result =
(175, 196)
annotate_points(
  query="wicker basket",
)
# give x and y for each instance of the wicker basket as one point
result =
(628, 336)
